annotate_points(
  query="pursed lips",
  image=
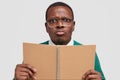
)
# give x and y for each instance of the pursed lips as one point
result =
(60, 33)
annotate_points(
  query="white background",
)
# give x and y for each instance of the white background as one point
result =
(97, 22)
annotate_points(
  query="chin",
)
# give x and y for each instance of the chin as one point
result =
(61, 41)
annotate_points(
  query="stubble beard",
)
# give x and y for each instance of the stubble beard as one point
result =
(60, 41)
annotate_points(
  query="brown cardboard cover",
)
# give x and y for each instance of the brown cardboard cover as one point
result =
(59, 62)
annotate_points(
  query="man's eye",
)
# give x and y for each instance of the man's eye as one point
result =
(66, 20)
(52, 20)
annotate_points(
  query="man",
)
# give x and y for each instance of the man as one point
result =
(59, 25)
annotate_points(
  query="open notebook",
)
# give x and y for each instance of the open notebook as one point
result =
(59, 62)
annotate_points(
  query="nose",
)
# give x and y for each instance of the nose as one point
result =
(60, 24)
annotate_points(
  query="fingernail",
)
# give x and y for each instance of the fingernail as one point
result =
(83, 76)
(35, 78)
(35, 70)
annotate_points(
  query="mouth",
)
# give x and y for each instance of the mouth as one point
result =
(60, 33)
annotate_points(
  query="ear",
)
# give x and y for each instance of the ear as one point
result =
(73, 25)
(46, 27)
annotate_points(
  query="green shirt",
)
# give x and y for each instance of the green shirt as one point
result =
(97, 66)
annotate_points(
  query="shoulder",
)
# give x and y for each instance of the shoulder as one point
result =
(77, 43)
(46, 42)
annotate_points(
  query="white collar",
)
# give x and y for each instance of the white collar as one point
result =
(69, 44)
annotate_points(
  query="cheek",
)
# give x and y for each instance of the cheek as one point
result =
(69, 31)
(50, 31)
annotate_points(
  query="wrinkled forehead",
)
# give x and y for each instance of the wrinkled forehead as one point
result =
(62, 11)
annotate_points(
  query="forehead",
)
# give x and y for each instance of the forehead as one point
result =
(59, 11)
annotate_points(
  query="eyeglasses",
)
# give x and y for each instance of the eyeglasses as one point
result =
(54, 21)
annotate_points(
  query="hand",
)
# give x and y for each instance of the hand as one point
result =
(25, 72)
(92, 75)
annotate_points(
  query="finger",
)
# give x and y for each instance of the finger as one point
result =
(93, 72)
(27, 76)
(86, 74)
(33, 70)
(34, 78)
(22, 76)
(23, 69)
(26, 70)
(30, 67)
(94, 75)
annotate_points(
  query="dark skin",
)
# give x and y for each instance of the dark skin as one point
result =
(60, 32)
(59, 26)
(25, 72)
